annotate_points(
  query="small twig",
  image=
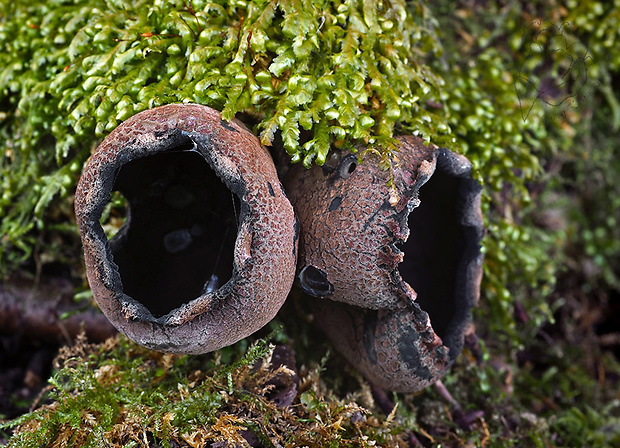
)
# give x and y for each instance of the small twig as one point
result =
(39, 397)
(190, 28)
(443, 391)
(464, 419)
(382, 399)
(190, 9)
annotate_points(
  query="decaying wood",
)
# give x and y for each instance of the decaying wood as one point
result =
(46, 310)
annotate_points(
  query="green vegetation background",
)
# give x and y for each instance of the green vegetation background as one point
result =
(528, 91)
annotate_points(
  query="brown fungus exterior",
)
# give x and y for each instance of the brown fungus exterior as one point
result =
(391, 273)
(208, 252)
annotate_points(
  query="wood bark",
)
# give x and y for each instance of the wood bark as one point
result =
(46, 310)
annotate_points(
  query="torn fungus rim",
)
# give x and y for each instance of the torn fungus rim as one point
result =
(185, 144)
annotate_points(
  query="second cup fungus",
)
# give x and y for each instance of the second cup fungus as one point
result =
(392, 272)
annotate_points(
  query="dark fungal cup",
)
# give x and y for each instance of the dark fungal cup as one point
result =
(180, 215)
(399, 268)
(207, 254)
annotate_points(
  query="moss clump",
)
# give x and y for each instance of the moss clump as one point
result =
(556, 393)
(529, 95)
(547, 398)
(118, 394)
(319, 73)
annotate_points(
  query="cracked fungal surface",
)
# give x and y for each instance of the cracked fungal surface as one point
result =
(208, 253)
(391, 273)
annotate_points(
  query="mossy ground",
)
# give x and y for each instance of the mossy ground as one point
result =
(117, 394)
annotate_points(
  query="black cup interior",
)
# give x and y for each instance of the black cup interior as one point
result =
(438, 252)
(178, 240)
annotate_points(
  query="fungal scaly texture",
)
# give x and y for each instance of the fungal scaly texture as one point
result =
(265, 249)
(395, 304)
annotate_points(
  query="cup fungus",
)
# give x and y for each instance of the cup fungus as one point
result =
(393, 272)
(207, 254)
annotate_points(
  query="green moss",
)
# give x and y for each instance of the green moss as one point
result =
(119, 394)
(550, 400)
(498, 64)
(347, 72)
